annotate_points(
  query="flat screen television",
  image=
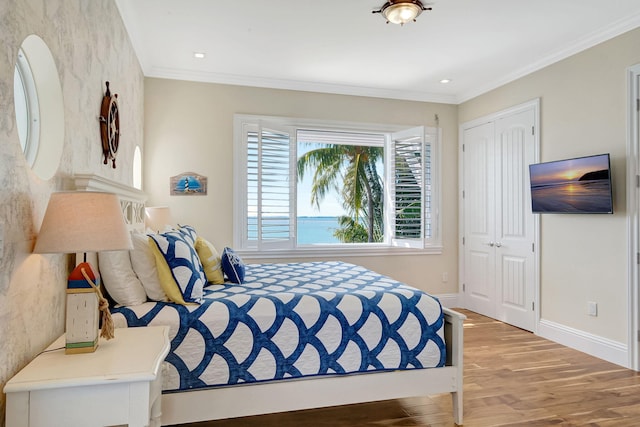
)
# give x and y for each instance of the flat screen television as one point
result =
(580, 185)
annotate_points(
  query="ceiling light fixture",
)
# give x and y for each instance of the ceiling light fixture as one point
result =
(198, 55)
(401, 11)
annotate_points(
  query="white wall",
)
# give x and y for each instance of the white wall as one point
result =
(583, 112)
(189, 127)
(89, 45)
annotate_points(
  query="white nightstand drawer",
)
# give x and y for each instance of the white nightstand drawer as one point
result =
(93, 406)
(119, 384)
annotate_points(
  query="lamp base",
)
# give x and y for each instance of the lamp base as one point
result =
(82, 321)
(81, 347)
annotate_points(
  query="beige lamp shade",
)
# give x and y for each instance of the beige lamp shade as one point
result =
(157, 217)
(83, 221)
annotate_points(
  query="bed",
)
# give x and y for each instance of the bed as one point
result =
(292, 334)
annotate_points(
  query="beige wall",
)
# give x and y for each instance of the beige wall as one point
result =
(583, 112)
(189, 127)
(89, 45)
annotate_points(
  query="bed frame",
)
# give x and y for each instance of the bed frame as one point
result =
(297, 394)
(318, 392)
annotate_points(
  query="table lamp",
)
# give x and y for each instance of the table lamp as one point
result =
(83, 221)
(157, 218)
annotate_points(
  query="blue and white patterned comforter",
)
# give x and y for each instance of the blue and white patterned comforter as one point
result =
(295, 320)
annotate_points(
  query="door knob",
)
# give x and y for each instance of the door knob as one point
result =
(499, 244)
(491, 244)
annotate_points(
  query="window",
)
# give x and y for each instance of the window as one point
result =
(26, 107)
(137, 168)
(340, 182)
(306, 187)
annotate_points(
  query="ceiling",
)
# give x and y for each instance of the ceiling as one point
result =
(339, 46)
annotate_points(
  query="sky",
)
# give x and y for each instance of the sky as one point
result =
(331, 204)
(567, 170)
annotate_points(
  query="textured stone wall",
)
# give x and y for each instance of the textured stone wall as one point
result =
(89, 45)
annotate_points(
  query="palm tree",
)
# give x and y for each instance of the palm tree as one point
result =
(350, 170)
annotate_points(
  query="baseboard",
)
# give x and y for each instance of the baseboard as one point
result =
(603, 348)
(448, 300)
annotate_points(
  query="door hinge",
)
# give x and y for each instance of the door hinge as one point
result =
(638, 258)
(533, 130)
(463, 240)
(463, 148)
(533, 306)
(464, 287)
(533, 247)
(463, 194)
(638, 181)
(637, 104)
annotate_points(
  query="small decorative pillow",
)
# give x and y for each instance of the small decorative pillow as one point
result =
(144, 266)
(232, 265)
(189, 232)
(211, 261)
(119, 278)
(178, 267)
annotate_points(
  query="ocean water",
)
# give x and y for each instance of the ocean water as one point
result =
(317, 229)
(311, 229)
(573, 197)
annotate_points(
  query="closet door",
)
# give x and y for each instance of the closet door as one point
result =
(514, 236)
(479, 219)
(499, 234)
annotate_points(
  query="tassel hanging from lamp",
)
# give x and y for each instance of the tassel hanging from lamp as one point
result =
(84, 221)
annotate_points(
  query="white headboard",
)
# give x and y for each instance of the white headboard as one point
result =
(132, 203)
(132, 200)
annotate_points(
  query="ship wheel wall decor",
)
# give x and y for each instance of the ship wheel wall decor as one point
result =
(109, 126)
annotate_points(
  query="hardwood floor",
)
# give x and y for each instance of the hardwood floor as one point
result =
(511, 378)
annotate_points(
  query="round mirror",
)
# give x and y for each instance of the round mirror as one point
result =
(38, 107)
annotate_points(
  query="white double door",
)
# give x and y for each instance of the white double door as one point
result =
(499, 251)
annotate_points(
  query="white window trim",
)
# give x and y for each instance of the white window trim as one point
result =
(431, 246)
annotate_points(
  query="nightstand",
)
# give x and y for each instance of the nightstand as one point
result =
(119, 384)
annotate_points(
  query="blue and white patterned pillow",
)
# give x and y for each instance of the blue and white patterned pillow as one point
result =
(189, 232)
(184, 264)
(232, 265)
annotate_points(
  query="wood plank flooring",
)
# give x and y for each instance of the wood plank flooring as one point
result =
(511, 378)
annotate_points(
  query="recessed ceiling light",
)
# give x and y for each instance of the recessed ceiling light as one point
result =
(445, 81)
(198, 55)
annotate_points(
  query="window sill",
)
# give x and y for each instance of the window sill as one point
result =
(333, 252)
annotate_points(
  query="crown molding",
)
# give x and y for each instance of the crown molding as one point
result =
(622, 26)
(304, 86)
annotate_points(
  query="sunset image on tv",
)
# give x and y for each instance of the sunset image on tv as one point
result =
(581, 185)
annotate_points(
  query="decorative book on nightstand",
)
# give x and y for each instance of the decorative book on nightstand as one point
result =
(119, 384)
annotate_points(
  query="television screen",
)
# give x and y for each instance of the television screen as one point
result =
(581, 185)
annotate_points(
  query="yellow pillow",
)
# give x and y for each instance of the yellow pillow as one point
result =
(167, 282)
(210, 260)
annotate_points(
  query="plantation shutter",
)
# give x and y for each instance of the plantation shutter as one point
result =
(270, 213)
(337, 137)
(410, 223)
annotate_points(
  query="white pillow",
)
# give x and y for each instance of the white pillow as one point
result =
(119, 279)
(144, 265)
